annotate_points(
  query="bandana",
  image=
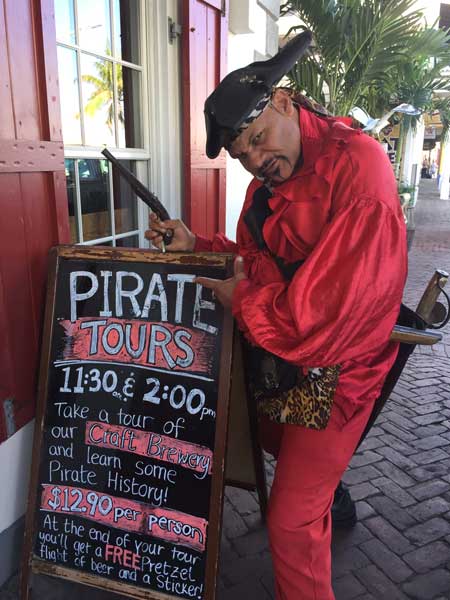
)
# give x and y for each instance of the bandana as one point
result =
(259, 108)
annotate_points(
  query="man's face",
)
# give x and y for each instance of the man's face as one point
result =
(270, 146)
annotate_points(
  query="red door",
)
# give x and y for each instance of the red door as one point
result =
(33, 201)
(204, 49)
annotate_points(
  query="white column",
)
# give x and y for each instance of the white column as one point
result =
(412, 157)
(253, 36)
(444, 170)
(419, 136)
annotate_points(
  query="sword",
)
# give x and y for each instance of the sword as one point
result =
(144, 194)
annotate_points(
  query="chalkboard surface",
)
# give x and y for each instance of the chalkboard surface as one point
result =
(127, 480)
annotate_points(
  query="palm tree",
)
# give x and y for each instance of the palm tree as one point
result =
(103, 94)
(418, 80)
(360, 48)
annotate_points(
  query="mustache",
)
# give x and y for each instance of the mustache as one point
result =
(268, 163)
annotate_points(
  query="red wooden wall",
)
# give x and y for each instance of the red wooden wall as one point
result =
(33, 203)
(204, 51)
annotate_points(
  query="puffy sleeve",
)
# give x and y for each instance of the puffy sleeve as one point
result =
(219, 243)
(343, 301)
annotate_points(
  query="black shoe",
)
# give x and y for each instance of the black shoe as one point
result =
(343, 510)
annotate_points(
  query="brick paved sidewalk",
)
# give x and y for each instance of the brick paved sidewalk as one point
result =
(400, 548)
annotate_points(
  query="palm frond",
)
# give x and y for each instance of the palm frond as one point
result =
(364, 48)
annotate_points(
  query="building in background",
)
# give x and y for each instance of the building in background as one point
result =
(424, 151)
(76, 75)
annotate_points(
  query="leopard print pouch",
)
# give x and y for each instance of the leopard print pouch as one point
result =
(307, 403)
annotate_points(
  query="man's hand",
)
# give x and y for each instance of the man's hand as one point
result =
(183, 239)
(223, 289)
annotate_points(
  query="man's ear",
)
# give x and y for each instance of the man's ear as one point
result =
(282, 102)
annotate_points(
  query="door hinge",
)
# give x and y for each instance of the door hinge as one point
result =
(174, 30)
(8, 411)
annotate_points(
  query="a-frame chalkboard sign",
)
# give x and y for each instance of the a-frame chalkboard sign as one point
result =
(128, 461)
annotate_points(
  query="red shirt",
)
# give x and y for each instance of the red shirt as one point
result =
(340, 213)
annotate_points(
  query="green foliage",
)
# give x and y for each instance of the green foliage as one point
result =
(442, 105)
(370, 53)
(404, 188)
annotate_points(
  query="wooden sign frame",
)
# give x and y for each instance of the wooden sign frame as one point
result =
(31, 563)
(245, 467)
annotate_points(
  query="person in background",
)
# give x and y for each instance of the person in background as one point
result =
(433, 169)
(318, 282)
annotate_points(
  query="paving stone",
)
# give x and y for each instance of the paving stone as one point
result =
(347, 587)
(268, 583)
(433, 441)
(366, 458)
(343, 538)
(430, 530)
(227, 555)
(375, 431)
(429, 508)
(384, 531)
(234, 524)
(364, 510)
(436, 417)
(402, 462)
(428, 471)
(253, 521)
(241, 499)
(396, 474)
(427, 390)
(429, 489)
(243, 569)
(402, 391)
(391, 511)
(362, 490)
(427, 398)
(427, 382)
(378, 584)
(246, 590)
(381, 419)
(394, 442)
(428, 557)
(348, 559)
(429, 456)
(360, 474)
(405, 436)
(371, 443)
(386, 560)
(400, 408)
(393, 491)
(252, 543)
(446, 436)
(402, 422)
(426, 587)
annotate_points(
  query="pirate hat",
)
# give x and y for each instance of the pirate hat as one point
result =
(243, 94)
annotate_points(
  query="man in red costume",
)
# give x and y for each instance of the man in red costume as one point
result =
(318, 283)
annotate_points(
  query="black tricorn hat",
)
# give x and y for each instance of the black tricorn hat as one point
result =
(241, 91)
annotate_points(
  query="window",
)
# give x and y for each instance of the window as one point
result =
(102, 77)
(444, 17)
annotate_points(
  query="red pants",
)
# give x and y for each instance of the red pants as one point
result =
(309, 466)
